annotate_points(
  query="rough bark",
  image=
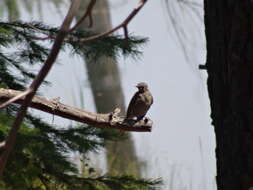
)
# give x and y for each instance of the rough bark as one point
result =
(104, 77)
(229, 65)
(110, 120)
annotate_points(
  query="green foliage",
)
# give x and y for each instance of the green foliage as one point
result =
(111, 46)
(41, 158)
(21, 46)
(119, 182)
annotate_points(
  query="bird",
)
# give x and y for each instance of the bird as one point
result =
(140, 103)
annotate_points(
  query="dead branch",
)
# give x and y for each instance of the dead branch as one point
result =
(59, 39)
(123, 25)
(109, 120)
(20, 95)
(10, 141)
(87, 13)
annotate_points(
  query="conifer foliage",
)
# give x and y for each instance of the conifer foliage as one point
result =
(40, 159)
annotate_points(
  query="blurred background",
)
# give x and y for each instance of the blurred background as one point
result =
(180, 148)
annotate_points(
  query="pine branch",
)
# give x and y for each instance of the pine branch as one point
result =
(108, 120)
(64, 31)
(88, 13)
(37, 82)
(123, 25)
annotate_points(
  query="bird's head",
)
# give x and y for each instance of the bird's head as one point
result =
(142, 86)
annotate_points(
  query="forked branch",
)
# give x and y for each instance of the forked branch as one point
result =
(123, 25)
(111, 120)
(10, 141)
(88, 13)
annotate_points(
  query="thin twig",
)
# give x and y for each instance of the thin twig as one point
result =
(125, 32)
(123, 25)
(109, 120)
(59, 39)
(88, 13)
(37, 82)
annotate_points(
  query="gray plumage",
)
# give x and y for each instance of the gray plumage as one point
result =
(140, 103)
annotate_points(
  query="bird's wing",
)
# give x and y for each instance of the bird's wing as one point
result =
(149, 98)
(152, 99)
(132, 104)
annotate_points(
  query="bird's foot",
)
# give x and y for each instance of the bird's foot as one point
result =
(129, 122)
(146, 119)
(114, 116)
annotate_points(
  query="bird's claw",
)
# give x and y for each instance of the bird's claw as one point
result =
(114, 116)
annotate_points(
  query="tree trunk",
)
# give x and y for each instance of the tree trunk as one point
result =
(104, 77)
(229, 65)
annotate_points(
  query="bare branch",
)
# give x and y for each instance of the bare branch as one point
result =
(122, 25)
(15, 98)
(87, 13)
(125, 32)
(37, 82)
(110, 120)
(59, 39)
